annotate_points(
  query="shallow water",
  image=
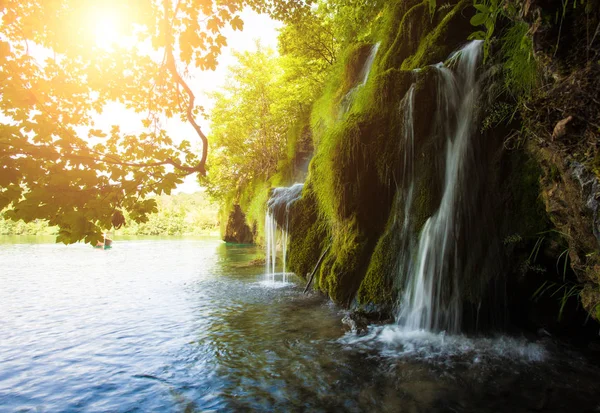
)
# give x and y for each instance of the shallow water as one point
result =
(188, 325)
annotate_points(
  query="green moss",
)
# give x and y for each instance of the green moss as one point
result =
(414, 21)
(343, 77)
(308, 234)
(253, 202)
(224, 213)
(378, 285)
(352, 177)
(325, 269)
(521, 74)
(434, 47)
(524, 189)
(347, 268)
(298, 148)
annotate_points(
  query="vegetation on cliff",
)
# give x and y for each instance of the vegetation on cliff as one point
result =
(532, 51)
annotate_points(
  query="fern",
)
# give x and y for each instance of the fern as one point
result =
(519, 65)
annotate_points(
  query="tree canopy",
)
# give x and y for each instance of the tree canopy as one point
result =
(253, 114)
(260, 118)
(62, 62)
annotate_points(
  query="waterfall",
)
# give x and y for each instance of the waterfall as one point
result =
(363, 76)
(276, 227)
(431, 298)
(366, 70)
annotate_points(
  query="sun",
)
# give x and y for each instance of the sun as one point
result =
(110, 29)
(107, 30)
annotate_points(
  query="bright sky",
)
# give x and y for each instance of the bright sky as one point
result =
(256, 26)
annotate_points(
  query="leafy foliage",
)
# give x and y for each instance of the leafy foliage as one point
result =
(56, 162)
(249, 123)
(486, 16)
(257, 120)
(181, 214)
(520, 68)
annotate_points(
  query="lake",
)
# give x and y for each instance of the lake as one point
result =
(186, 325)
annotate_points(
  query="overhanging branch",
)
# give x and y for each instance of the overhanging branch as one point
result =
(172, 67)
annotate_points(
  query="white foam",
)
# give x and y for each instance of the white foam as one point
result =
(397, 342)
(276, 280)
(274, 284)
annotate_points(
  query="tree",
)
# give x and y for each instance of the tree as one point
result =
(55, 163)
(248, 128)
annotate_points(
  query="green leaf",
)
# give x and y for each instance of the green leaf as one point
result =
(478, 19)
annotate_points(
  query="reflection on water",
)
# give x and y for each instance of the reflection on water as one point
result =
(188, 325)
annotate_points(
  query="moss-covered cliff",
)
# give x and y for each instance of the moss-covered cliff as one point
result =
(528, 246)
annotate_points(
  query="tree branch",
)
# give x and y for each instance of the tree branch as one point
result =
(172, 67)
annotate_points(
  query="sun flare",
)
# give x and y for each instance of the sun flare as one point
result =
(109, 28)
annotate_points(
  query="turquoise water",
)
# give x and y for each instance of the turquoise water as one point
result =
(189, 325)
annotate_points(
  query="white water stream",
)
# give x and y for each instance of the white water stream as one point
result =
(432, 300)
(365, 71)
(276, 235)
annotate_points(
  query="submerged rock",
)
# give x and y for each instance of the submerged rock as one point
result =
(356, 323)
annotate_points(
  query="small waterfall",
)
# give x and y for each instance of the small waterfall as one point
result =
(276, 227)
(431, 299)
(363, 76)
(404, 201)
(366, 70)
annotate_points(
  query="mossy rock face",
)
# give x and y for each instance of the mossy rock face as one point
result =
(450, 30)
(379, 288)
(347, 266)
(414, 38)
(568, 207)
(294, 167)
(411, 18)
(358, 158)
(590, 298)
(357, 56)
(358, 161)
(324, 271)
(307, 232)
(237, 231)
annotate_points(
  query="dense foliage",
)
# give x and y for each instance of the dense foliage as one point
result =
(260, 122)
(56, 73)
(181, 214)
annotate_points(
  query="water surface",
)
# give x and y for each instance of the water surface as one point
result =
(188, 325)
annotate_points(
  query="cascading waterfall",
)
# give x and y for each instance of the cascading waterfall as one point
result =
(366, 70)
(407, 184)
(431, 299)
(276, 227)
(363, 76)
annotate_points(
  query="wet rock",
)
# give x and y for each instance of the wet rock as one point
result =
(594, 346)
(237, 231)
(590, 191)
(542, 332)
(356, 323)
(282, 198)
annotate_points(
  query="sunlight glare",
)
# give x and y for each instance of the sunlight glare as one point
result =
(108, 28)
